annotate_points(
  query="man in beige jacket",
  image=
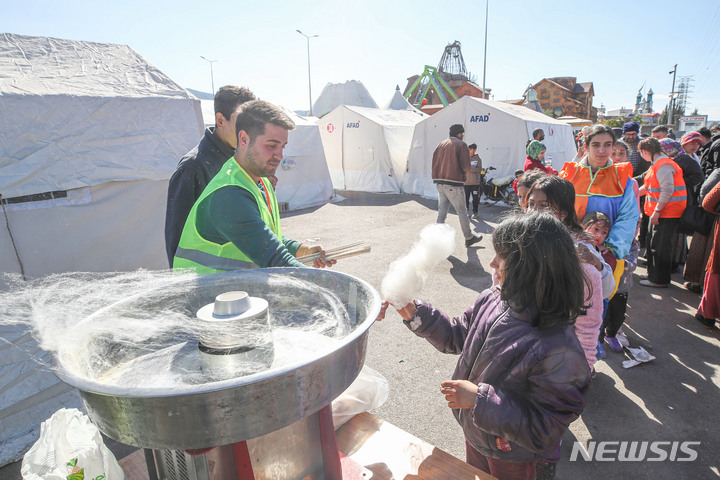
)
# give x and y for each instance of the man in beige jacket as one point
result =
(450, 164)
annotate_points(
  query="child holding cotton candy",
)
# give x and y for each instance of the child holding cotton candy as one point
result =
(521, 377)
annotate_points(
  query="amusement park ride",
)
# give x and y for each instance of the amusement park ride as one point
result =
(451, 67)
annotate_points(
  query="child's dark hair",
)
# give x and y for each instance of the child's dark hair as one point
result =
(543, 275)
(650, 145)
(620, 143)
(528, 178)
(591, 218)
(560, 194)
(599, 129)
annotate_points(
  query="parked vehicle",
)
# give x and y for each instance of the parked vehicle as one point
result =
(498, 189)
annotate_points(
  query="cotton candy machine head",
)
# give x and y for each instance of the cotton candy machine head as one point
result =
(249, 380)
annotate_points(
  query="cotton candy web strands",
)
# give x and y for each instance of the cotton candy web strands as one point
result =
(407, 274)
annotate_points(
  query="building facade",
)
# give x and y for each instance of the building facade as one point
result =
(564, 96)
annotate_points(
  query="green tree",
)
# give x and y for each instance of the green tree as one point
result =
(614, 122)
(677, 112)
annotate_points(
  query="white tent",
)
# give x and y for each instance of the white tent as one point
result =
(208, 112)
(89, 136)
(366, 148)
(501, 132)
(398, 102)
(333, 95)
(303, 178)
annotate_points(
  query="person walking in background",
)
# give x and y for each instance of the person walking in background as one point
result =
(472, 181)
(665, 203)
(450, 165)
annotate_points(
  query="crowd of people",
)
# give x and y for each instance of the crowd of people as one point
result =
(621, 201)
(562, 270)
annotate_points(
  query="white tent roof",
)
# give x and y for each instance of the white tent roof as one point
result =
(499, 129)
(398, 102)
(366, 148)
(76, 114)
(333, 95)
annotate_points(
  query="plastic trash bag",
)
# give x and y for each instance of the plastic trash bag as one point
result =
(369, 391)
(70, 448)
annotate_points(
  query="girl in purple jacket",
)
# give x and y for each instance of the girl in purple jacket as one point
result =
(521, 378)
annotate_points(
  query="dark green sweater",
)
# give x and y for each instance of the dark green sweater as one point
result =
(230, 214)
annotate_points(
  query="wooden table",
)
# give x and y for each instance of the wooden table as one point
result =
(382, 448)
(392, 453)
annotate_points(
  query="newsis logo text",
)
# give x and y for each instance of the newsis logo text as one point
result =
(635, 451)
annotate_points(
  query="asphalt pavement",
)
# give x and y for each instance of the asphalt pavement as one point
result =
(670, 402)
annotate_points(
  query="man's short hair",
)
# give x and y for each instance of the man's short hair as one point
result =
(537, 132)
(456, 130)
(229, 97)
(714, 128)
(472, 146)
(705, 132)
(254, 115)
(660, 128)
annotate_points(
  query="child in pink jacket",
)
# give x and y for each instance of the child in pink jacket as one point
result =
(557, 196)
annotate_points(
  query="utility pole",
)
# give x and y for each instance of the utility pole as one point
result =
(308, 37)
(485, 56)
(672, 97)
(212, 78)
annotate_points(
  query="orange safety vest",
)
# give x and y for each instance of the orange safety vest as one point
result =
(678, 201)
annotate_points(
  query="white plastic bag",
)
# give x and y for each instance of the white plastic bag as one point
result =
(70, 448)
(369, 391)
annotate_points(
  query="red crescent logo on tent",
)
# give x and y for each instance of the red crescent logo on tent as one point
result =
(330, 127)
(551, 131)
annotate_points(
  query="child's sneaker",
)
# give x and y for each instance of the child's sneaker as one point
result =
(600, 351)
(622, 339)
(614, 344)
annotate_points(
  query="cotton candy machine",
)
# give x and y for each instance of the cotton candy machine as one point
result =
(244, 392)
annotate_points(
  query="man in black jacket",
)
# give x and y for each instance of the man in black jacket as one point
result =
(711, 158)
(202, 163)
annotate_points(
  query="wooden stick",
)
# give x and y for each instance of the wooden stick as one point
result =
(337, 253)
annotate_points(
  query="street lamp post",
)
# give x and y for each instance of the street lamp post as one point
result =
(308, 37)
(671, 107)
(485, 55)
(212, 79)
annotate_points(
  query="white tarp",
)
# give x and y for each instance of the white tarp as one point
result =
(303, 178)
(398, 102)
(333, 95)
(104, 130)
(366, 148)
(500, 130)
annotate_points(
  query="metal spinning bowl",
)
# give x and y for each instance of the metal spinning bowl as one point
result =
(219, 413)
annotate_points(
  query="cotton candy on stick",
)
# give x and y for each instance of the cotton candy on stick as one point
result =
(406, 275)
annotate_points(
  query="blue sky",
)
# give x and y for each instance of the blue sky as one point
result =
(617, 45)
